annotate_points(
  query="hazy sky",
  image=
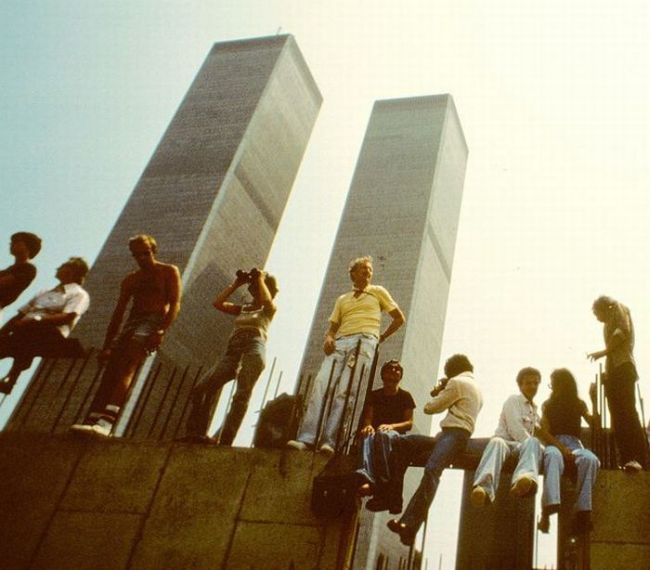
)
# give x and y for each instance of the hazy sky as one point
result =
(552, 97)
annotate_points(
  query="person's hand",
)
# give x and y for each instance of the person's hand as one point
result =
(367, 430)
(385, 427)
(329, 346)
(593, 356)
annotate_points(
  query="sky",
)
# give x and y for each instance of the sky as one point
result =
(552, 97)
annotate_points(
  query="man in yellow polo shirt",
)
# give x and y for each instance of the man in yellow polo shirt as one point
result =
(356, 318)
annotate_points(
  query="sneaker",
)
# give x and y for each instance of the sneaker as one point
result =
(478, 497)
(326, 449)
(524, 487)
(102, 428)
(81, 428)
(295, 444)
(632, 466)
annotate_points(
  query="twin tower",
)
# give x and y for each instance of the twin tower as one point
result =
(213, 195)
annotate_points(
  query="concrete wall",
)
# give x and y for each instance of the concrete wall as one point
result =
(621, 536)
(68, 503)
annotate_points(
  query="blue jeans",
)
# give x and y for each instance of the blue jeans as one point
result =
(497, 451)
(587, 465)
(447, 445)
(374, 456)
(248, 348)
(340, 362)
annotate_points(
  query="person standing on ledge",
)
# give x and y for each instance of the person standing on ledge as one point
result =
(356, 318)
(243, 361)
(620, 379)
(154, 291)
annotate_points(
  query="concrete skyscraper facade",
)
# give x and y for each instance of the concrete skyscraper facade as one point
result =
(402, 209)
(213, 195)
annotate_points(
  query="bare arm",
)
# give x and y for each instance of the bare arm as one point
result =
(396, 323)
(265, 297)
(174, 287)
(329, 345)
(116, 317)
(221, 302)
(366, 421)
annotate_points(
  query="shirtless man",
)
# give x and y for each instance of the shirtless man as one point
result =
(154, 291)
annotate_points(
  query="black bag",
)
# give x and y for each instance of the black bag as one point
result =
(334, 490)
(278, 421)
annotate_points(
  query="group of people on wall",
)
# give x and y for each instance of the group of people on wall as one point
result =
(152, 294)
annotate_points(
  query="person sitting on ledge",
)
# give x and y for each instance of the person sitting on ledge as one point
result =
(518, 434)
(459, 394)
(246, 347)
(24, 246)
(561, 415)
(154, 291)
(42, 325)
(387, 414)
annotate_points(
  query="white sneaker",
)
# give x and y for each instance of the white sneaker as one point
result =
(326, 449)
(295, 444)
(102, 428)
(632, 466)
(81, 428)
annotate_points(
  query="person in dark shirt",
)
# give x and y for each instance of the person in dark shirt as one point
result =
(387, 414)
(561, 415)
(17, 277)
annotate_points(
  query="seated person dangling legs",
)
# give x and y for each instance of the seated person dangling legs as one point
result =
(561, 415)
(154, 291)
(42, 325)
(356, 318)
(246, 346)
(459, 394)
(388, 413)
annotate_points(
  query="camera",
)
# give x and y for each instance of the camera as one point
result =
(248, 276)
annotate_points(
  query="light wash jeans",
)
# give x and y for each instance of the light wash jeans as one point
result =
(340, 359)
(587, 465)
(495, 454)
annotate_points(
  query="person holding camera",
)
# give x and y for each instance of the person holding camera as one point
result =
(460, 396)
(154, 292)
(246, 347)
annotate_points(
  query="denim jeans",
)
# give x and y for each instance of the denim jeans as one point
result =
(248, 348)
(447, 445)
(587, 465)
(497, 451)
(374, 456)
(340, 362)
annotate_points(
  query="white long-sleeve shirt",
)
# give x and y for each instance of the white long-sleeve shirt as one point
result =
(463, 400)
(518, 419)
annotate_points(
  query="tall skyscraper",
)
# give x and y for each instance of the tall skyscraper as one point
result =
(213, 195)
(402, 209)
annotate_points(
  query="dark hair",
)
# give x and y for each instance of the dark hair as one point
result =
(32, 241)
(392, 362)
(528, 371)
(457, 364)
(148, 240)
(79, 267)
(271, 284)
(602, 303)
(563, 385)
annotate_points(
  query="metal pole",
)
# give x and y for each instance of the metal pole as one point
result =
(277, 388)
(324, 405)
(341, 425)
(268, 383)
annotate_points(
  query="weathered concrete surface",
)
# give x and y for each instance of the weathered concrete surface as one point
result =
(69, 503)
(621, 515)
